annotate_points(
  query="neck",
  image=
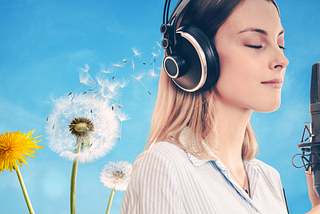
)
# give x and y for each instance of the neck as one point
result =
(231, 126)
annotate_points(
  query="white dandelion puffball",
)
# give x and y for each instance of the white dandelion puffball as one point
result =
(94, 115)
(116, 175)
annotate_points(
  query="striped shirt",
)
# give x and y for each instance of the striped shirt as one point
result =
(167, 179)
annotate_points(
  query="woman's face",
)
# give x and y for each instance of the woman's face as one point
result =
(252, 64)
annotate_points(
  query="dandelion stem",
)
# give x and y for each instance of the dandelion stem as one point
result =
(74, 178)
(110, 201)
(24, 190)
(73, 186)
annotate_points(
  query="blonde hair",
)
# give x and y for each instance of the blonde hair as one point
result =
(176, 109)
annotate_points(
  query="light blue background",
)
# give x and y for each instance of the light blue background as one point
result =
(42, 45)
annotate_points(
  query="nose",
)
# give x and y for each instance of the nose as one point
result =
(279, 60)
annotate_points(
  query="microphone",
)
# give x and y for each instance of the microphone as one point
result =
(315, 126)
(310, 146)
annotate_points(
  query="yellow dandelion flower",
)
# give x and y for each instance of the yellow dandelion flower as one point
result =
(14, 147)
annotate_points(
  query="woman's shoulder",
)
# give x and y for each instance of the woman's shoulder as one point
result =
(163, 150)
(163, 156)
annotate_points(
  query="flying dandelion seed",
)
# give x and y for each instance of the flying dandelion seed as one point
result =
(132, 65)
(116, 66)
(122, 117)
(104, 85)
(101, 80)
(123, 83)
(158, 43)
(85, 76)
(136, 53)
(138, 78)
(103, 69)
(156, 54)
(86, 68)
(152, 75)
(113, 88)
(109, 89)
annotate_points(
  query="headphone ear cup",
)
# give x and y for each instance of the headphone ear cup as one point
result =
(175, 66)
(195, 64)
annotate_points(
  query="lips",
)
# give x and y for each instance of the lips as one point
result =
(276, 83)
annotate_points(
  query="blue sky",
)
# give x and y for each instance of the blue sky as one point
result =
(43, 44)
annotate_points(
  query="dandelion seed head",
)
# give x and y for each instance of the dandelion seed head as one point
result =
(116, 175)
(81, 127)
(95, 109)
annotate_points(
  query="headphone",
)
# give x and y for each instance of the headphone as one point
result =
(191, 60)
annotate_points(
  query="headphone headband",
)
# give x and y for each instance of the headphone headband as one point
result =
(177, 9)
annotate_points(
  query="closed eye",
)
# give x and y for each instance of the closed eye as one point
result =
(254, 46)
(283, 48)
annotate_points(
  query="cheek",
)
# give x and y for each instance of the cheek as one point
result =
(237, 72)
(233, 81)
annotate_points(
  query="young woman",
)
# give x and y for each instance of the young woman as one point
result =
(200, 153)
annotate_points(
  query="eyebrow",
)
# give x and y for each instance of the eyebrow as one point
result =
(258, 31)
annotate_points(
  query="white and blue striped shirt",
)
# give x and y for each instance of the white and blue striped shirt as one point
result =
(166, 179)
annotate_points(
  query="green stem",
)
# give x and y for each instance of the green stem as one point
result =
(73, 179)
(24, 190)
(110, 201)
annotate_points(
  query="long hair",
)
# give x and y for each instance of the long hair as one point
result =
(176, 109)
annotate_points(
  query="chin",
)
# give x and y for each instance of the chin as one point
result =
(268, 108)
